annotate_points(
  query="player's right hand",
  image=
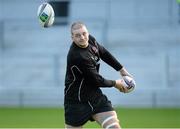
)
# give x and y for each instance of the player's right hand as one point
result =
(119, 85)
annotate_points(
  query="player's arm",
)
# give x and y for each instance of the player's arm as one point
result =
(92, 76)
(111, 60)
(107, 57)
(124, 72)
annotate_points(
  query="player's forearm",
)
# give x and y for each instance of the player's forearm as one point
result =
(94, 78)
(100, 81)
(124, 72)
(107, 57)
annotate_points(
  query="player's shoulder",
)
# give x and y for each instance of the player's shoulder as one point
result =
(76, 52)
(92, 38)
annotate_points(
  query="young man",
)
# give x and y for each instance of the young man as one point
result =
(83, 99)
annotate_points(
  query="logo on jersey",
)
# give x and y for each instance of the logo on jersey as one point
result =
(94, 49)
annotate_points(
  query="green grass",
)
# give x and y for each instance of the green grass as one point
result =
(54, 118)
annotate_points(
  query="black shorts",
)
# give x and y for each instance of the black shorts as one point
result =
(77, 114)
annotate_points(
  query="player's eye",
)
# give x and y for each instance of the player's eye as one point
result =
(77, 35)
(84, 33)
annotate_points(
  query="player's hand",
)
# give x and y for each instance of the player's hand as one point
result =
(120, 87)
(124, 72)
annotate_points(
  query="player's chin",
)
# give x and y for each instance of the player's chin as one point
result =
(83, 44)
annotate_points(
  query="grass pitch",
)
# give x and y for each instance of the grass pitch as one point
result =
(54, 118)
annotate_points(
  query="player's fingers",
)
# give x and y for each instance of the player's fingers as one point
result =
(123, 89)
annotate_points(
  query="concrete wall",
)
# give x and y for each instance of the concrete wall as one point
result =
(143, 35)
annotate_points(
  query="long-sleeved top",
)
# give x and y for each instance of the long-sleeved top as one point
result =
(82, 80)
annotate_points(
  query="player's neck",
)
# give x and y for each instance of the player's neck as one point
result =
(82, 46)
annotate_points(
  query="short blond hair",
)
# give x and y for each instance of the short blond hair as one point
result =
(77, 25)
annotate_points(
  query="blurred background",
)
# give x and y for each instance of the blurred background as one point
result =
(144, 35)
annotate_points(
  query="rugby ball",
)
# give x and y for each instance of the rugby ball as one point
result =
(45, 15)
(129, 83)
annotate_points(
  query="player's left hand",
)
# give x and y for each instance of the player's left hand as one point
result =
(119, 85)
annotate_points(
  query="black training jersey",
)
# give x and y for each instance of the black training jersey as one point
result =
(82, 79)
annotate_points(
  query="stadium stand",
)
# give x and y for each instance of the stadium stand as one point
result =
(143, 35)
